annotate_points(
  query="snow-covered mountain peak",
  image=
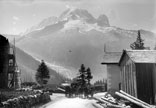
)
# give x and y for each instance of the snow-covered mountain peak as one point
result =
(75, 14)
(73, 18)
(72, 15)
(82, 27)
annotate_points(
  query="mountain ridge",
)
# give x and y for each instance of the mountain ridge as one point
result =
(72, 41)
(70, 14)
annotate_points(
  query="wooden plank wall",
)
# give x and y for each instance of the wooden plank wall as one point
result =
(145, 84)
(154, 82)
(113, 76)
(128, 76)
(138, 80)
(134, 80)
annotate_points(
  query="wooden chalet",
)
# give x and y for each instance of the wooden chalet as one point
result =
(111, 60)
(8, 66)
(4, 62)
(138, 74)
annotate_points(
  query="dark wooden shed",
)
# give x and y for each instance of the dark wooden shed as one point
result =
(138, 74)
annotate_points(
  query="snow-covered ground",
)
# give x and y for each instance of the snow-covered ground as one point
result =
(60, 101)
(99, 95)
(72, 103)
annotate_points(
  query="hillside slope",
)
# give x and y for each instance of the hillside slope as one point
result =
(28, 66)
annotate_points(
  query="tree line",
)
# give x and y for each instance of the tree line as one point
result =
(81, 84)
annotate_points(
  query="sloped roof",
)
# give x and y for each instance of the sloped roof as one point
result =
(141, 56)
(111, 58)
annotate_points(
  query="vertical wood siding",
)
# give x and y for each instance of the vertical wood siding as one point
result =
(128, 76)
(137, 79)
(145, 85)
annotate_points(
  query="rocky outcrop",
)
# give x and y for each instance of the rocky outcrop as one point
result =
(103, 21)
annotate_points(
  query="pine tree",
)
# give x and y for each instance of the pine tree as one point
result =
(82, 77)
(138, 44)
(88, 76)
(42, 74)
(81, 84)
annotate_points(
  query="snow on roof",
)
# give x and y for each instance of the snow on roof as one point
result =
(141, 56)
(111, 58)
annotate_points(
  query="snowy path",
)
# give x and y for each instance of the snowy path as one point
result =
(72, 103)
(63, 102)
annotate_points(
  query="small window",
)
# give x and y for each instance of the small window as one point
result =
(11, 62)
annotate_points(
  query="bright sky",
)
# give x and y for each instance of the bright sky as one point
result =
(18, 15)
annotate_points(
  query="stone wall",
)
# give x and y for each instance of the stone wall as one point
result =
(26, 101)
